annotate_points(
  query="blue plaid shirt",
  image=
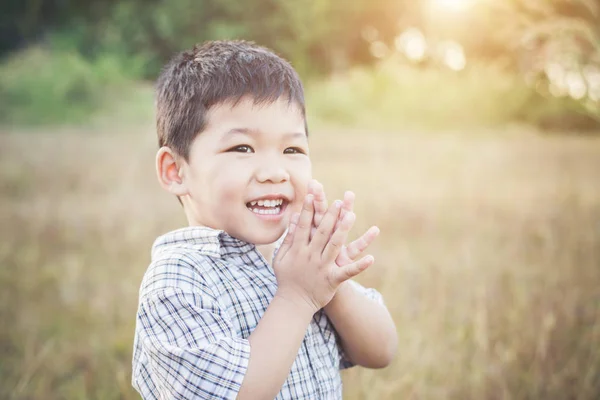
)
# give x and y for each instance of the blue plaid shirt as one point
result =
(200, 299)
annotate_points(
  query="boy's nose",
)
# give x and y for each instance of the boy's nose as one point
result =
(271, 172)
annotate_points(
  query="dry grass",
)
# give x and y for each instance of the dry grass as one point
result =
(489, 260)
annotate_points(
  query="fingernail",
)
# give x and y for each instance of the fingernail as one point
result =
(338, 204)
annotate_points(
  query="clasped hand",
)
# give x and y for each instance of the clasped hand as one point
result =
(313, 260)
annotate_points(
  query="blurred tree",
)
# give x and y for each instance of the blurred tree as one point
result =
(553, 44)
(560, 49)
(317, 35)
(320, 36)
(26, 21)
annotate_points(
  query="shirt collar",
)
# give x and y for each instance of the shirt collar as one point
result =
(207, 241)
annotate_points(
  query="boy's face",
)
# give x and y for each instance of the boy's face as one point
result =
(248, 154)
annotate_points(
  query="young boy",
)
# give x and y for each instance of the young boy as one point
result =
(216, 320)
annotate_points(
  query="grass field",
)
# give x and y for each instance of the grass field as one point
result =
(489, 259)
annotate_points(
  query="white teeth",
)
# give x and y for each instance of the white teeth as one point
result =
(266, 203)
(274, 211)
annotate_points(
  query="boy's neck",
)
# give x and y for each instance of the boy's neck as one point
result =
(267, 251)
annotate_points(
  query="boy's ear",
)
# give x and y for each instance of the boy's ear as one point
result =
(169, 172)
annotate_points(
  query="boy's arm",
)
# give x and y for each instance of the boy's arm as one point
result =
(274, 345)
(307, 278)
(366, 329)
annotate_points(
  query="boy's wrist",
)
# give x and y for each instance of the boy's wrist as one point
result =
(295, 302)
(341, 292)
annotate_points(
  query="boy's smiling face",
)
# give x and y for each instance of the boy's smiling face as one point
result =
(248, 170)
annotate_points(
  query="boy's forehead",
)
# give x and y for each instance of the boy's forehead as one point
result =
(246, 116)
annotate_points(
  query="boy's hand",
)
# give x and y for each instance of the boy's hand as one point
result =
(354, 249)
(305, 266)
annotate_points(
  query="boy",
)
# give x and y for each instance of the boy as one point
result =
(215, 319)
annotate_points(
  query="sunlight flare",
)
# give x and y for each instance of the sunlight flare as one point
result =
(451, 5)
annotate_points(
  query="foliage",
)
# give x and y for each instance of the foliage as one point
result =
(314, 34)
(39, 86)
(396, 95)
(547, 34)
(134, 38)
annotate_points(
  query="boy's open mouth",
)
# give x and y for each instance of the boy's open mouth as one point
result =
(273, 206)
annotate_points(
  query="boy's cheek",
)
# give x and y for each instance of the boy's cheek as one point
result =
(299, 197)
(301, 176)
(295, 206)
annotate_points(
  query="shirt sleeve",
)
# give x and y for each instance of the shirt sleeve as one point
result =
(371, 294)
(191, 347)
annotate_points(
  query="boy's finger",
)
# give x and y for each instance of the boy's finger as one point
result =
(295, 218)
(289, 236)
(320, 203)
(349, 201)
(302, 231)
(338, 238)
(325, 229)
(292, 227)
(348, 205)
(349, 271)
(310, 189)
(360, 244)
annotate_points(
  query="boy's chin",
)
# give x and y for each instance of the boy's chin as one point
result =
(267, 237)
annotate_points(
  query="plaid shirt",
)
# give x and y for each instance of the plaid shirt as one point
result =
(200, 299)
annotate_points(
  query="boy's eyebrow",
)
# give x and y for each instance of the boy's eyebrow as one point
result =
(254, 132)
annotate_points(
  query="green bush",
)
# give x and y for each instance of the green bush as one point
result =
(396, 95)
(40, 86)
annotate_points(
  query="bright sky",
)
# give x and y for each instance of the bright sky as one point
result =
(451, 5)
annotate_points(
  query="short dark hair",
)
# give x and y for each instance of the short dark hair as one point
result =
(213, 73)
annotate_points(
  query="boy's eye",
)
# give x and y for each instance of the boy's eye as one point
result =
(242, 149)
(294, 150)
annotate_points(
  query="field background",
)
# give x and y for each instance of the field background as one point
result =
(489, 258)
(468, 129)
